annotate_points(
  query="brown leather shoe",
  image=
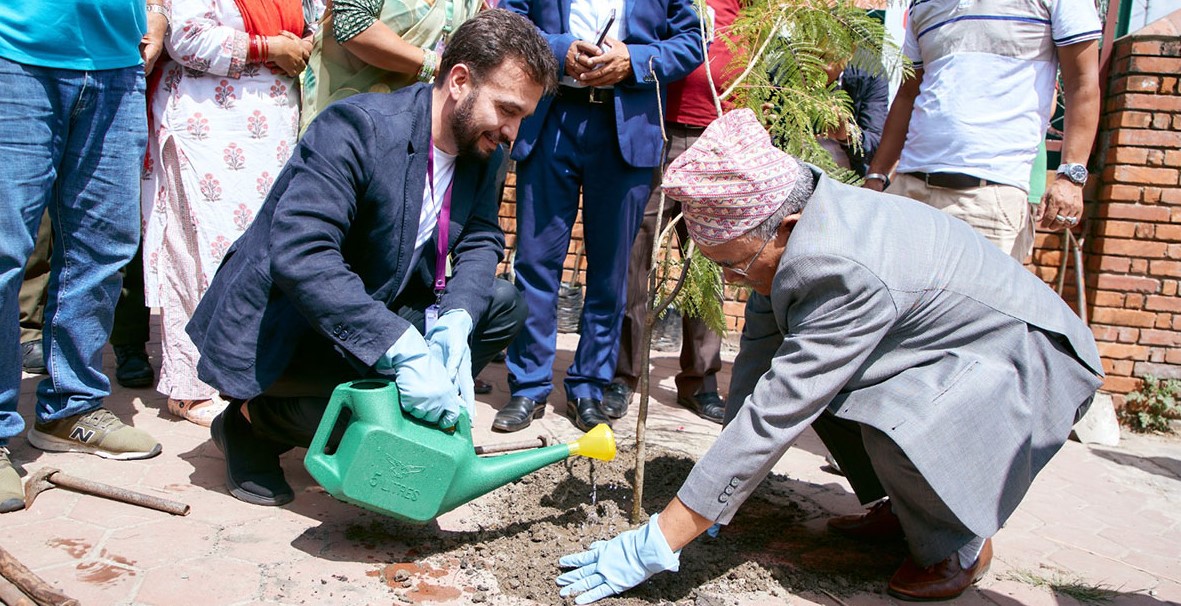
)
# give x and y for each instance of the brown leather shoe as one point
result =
(941, 581)
(877, 524)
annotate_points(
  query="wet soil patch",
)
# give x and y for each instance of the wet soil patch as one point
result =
(523, 529)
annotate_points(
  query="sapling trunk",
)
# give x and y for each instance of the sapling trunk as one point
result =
(819, 29)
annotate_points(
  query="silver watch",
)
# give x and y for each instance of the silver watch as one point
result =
(1076, 172)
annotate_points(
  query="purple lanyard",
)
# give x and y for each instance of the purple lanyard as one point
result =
(443, 224)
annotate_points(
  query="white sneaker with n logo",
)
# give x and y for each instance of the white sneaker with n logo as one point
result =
(96, 432)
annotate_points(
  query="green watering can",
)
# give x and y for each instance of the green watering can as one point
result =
(368, 452)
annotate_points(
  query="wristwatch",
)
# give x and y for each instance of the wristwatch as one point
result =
(1076, 172)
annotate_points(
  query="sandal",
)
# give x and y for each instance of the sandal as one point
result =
(201, 412)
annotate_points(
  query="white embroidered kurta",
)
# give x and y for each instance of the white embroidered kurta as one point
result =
(222, 130)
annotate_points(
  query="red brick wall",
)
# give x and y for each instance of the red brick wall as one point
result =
(1133, 237)
(508, 222)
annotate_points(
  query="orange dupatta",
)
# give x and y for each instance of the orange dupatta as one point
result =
(269, 17)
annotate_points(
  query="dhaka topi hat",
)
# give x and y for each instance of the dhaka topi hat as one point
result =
(731, 179)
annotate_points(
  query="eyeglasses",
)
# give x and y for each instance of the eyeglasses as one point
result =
(741, 273)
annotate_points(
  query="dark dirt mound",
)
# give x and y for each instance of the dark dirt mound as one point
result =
(526, 526)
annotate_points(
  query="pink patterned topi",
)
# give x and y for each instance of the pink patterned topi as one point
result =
(731, 179)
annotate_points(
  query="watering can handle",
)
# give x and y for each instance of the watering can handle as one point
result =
(463, 426)
(328, 475)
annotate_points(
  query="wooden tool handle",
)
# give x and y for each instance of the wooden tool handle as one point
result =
(42, 593)
(538, 442)
(12, 595)
(118, 494)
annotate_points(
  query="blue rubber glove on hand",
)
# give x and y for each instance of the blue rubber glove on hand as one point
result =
(611, 567)
(420, 378)
(448, 338)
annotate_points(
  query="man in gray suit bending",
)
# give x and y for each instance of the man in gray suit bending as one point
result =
(941, 374)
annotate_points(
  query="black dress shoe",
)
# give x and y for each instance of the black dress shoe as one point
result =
(132, 368)
(616, 399)
(585, 413)
(253, 473)
(33, 358)
(518, 414)
(481, 386)
(707, 405)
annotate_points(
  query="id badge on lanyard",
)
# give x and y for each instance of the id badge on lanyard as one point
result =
(432, 316)
(442, 231)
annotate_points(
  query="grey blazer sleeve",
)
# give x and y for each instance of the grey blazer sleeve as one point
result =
(836, 314)
(760, 340)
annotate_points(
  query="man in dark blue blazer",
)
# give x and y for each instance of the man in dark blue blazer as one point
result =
(870, 95)
(339, 275)
(600, 134)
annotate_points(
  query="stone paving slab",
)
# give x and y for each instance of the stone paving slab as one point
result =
(1098, 517)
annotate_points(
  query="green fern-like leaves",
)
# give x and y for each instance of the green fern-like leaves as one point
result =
(784, 47)
(701, 296)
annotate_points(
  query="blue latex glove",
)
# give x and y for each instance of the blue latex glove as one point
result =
(611, 567)
(449, 340)
(419, 375)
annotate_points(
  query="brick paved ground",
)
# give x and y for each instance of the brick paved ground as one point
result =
(1097, 516)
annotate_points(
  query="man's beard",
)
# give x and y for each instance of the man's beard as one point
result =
(463, 128)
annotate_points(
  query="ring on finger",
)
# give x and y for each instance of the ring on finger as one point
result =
(1060, 218)
(1071, 220)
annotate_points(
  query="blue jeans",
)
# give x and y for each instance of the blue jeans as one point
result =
(73, 142)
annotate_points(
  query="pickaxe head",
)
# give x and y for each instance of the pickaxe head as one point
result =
(37, 483)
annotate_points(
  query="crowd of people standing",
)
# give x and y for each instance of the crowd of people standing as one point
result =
(193, 109)
(297, 231)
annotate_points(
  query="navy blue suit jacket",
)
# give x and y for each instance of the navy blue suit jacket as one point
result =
(331, 247)
(870, 94)
(666, 31)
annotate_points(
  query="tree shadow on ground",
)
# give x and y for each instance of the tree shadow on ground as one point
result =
(1161, 466)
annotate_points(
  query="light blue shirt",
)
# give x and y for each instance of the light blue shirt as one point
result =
(73, 34)
(587, 18)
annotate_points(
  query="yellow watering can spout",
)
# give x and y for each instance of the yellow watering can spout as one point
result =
(598, 443)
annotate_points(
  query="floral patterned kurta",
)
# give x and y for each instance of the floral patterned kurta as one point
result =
(223, 128)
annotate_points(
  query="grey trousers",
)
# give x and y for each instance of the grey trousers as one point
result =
(876, 467)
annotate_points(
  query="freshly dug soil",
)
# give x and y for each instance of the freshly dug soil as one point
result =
(526, 526)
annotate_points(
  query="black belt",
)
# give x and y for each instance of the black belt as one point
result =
(587, 94)
(951, 180)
